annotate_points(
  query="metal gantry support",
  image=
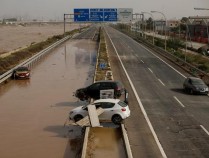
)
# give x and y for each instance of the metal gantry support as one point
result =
(141, 17)
(67, 16)
(165, 26)
(153, 29)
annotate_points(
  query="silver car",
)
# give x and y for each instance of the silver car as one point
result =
(194, 85)
(115, 110)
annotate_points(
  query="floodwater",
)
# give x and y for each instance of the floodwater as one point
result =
(33, 112)
(105, 143)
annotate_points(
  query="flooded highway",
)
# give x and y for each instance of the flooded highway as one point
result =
(105, 142)
(33, 112)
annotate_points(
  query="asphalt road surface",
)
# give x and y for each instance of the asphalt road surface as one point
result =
(179, 120)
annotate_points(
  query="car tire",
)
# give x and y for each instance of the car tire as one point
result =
(78, 118)
(191, 91)
(117, 119)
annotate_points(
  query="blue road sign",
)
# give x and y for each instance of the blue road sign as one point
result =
(102, 65)
(96, 14)
(110, 14)
(81, 15)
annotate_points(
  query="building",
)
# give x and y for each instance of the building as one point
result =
(10, 21)
(198, 27)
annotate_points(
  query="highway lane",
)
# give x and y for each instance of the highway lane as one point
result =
(33, 112)
(175, 116)
(89, 33)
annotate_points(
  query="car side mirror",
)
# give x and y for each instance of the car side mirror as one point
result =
(126, 97)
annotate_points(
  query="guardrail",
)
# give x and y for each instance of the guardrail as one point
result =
(194, 71)
(122, 127)
(31, 60)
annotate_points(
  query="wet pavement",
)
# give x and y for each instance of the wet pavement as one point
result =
(33, 112)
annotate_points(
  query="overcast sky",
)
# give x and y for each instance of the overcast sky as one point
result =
(54, 9)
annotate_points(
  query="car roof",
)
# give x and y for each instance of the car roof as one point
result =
(106, 81)
(22, 67)
(107, 100)
(194, 78)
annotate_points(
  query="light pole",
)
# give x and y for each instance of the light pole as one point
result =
(165, 24)
(153, 29)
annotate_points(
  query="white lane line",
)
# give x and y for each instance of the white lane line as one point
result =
(158, 57)
(161, 82)
(140, 104)
(179, 102)
(204, 129)
(142, 61)
(150, 70)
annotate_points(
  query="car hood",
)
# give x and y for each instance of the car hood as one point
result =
(76, 109)
(200, 86)
(81, 89)
(22, 72)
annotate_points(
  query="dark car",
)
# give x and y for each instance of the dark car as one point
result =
(21, 72)
(93, 90)
(194, 85)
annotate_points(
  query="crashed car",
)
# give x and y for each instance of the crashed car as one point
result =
(114, 110)
(93, 90)
(21, 72)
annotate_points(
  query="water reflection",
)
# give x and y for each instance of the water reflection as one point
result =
(85, 53)
(22, 83)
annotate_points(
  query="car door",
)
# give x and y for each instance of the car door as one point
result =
(94, 91)
(189, 84)
(109, 110)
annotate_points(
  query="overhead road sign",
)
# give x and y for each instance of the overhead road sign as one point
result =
(110, 14)
(81, 15)
(125, 14)
(96, 15)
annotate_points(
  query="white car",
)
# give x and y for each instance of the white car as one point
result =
(115, 110)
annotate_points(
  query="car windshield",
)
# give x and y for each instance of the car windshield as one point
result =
(22, 69)
(121, 103)
(197, 82)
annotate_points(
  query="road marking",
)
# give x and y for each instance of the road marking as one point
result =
(142, 61)
(150, 70)
(204, 129)
(161, 82)
(179, 102)
(140, 104)
(158, 58)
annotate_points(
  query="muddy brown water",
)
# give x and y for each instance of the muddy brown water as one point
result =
(105, 143)
(33, 112)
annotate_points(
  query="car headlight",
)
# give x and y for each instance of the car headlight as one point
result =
(206, 89)
(71, 113)
(197, 88)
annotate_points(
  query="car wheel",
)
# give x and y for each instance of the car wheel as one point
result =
(117, 119)
(78, 118)
(186, 90)
(191, 91)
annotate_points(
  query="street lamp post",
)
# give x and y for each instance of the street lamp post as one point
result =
(165, 24)
(153, 29)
